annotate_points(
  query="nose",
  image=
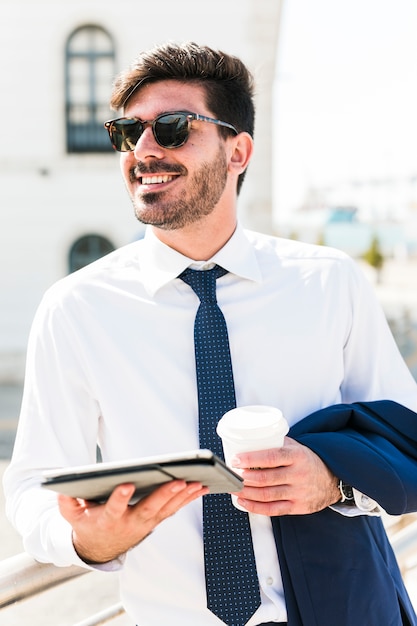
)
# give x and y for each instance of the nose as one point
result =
(147, 146)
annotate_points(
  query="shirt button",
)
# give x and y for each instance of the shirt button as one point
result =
(269, 581)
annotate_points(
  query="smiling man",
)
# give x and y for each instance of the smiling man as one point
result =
(189, 192)
(143, 351)
(180, 191)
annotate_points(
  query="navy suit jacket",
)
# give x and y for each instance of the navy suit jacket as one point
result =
(337, 570)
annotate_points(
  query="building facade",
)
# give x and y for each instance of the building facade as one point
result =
(62, 199)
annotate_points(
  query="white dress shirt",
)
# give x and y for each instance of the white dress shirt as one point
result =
(111, 359)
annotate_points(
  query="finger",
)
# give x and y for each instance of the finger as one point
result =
(169, 498)
(162, 494)
(270, 509)
(70, 508)
(265, 494)
(192, 491)
(118, 501)
(265, 477)
(273, 457)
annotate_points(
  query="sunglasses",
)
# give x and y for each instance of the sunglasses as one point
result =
(171, 130)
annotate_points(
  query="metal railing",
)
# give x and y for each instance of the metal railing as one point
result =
(21, 577)
(403, 538)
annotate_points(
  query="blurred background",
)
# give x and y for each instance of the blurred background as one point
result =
(335, 150)
(345, 142)
(346, 132)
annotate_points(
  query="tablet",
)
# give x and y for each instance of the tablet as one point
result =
(96, 482)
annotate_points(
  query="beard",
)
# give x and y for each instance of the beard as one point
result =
(205, 189)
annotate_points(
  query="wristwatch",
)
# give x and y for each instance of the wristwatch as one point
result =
(346, 492)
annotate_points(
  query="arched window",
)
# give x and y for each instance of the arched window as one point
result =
(90, 67)
(87, 249)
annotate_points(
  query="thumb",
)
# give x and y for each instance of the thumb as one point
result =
(70, 508)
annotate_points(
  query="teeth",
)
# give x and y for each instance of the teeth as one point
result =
(151, 180)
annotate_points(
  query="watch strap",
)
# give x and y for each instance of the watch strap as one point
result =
(346, 492)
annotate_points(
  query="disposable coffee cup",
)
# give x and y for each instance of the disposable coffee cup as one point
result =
(248, 429)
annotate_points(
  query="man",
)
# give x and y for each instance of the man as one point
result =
(111, 361)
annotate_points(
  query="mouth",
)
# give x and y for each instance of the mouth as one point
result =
(156, 179)
(155, 174)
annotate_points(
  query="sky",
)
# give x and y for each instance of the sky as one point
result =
(346, 94)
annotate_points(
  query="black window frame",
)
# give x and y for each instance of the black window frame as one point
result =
(88, 136)
(88, 248)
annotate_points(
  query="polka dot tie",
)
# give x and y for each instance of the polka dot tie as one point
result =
(231, 579)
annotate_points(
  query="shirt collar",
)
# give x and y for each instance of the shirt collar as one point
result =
(161, 264)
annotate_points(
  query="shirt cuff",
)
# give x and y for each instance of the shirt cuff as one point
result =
(110, 566)
(63, 544)
(363, 506)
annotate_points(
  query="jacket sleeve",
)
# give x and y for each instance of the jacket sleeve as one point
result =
(370, 445)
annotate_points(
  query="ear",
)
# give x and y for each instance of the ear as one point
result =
(241, 152)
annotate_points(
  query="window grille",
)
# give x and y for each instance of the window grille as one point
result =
(90, 68)
(87, 249)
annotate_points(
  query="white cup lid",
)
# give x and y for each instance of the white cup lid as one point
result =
(254, 421)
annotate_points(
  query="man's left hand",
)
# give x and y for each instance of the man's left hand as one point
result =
(291, 480)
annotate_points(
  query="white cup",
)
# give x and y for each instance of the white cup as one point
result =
(251, 428)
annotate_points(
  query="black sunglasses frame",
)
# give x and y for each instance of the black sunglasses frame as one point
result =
(123, 141)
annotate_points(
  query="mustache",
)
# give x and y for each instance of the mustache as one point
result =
(155, 167)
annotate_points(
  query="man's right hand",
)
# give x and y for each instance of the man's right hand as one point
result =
(103, 532)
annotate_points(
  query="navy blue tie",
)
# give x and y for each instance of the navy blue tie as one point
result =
(231, 579)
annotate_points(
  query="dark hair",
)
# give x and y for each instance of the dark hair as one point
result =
(227, 82)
